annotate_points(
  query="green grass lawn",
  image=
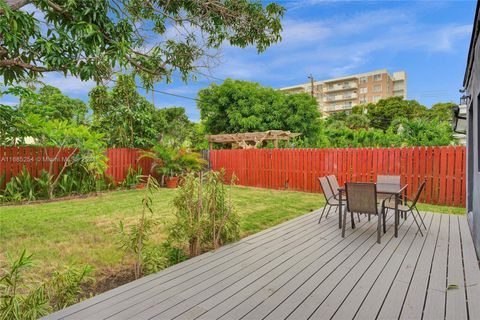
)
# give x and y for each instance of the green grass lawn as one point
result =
(84, 231)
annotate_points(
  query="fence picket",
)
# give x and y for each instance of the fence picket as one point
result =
(298, 169)
(443, 168)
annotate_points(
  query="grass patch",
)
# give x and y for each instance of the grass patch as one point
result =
(84, 231)
(440, 209)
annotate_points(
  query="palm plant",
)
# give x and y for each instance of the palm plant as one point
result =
(170, 162)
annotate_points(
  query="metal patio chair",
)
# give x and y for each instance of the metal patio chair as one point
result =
(362, 198)
(330, 199)
(388, 179)
(381, 179)
(409, 206)
(334, 184)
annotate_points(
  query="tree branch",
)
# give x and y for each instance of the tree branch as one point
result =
(16, 4)
(19, 63)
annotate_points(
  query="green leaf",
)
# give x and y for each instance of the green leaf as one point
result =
(452, 286)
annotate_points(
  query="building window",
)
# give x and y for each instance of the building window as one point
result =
(376, 98)
(363, 90)
(377, 88)
(377, 77)
(363, 80)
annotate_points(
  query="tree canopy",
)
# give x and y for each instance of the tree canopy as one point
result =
(93, 38)
(174, 126)
(392, 122)
(441, 111)
(241, 106)
(51, 104)
(123, 115)
(382, 113)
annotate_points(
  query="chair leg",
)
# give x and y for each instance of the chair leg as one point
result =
(323, 211)
(416, 222)
(421, 219)
(384, 221)
(379, 230)
(344, 222)
(353, 220)
(369, 217)
(358, 217)
(328, 211)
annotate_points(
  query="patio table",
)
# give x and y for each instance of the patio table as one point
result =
(382, 188)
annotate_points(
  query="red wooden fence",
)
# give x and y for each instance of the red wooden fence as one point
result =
(293, 169)
(298, 169)
(120, 159)
(36, 159)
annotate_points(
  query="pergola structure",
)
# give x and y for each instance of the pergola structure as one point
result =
(250, 140)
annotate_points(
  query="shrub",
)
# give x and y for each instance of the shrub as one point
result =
(133, 177)
(135, 240)
(205, 216)
(74, 180)
(21, 300)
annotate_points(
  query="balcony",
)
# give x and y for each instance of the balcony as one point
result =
(340, 87)
(340, 97)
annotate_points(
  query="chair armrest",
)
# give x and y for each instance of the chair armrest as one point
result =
(338, 195)
(332, 197)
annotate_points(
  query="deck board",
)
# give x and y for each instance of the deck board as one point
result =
(348, 293)
(374, 300)
(456, 300)
(301, 269)
(413, 265)
(319, 265)
(437, 285)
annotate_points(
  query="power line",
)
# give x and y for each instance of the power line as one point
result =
(169, 94)
(210, 76)
(163, 92)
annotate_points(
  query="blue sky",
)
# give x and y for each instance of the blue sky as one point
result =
(427, 39)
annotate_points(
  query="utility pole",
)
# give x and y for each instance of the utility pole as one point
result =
(311, 83)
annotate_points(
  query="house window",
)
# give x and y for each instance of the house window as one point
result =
(363, 90)
(377, 88)
(377, 77)
(376, 98)
(363, 80)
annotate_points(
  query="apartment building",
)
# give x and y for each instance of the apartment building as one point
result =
(342, 94)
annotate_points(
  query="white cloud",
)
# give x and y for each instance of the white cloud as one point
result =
(69, 84)
(303, 32)
(342, 44)
(9, 103)
(447, 37)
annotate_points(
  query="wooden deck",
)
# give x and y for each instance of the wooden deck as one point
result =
(304, 270)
